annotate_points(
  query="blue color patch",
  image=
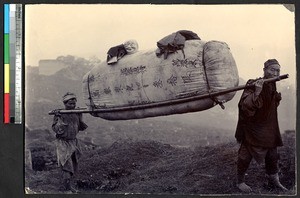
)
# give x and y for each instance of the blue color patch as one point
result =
(6, 18)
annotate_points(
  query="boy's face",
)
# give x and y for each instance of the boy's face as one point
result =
(131, 46)
(71, 104)
(272, 71)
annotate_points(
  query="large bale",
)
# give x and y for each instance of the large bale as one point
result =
(142, 80)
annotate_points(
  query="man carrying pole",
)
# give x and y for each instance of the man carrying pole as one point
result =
(66, 127)
(258, 129)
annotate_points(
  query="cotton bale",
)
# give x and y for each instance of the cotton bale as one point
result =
(138, 83)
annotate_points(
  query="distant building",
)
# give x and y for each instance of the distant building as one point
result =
(32, 70)
(50, 66)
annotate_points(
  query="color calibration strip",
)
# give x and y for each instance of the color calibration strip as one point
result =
(13, 63)
(6, 64)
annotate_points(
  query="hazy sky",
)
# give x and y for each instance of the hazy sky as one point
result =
(254, 33)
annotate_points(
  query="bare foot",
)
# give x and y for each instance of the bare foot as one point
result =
(244, 187)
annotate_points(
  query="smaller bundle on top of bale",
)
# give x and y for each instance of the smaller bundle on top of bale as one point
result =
(145, 84)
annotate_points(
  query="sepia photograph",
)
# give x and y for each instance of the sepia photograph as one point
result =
(185, 99)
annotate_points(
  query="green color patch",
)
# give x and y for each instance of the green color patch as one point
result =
(6, 49)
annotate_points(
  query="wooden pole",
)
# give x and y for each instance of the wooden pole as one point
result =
(165, 103)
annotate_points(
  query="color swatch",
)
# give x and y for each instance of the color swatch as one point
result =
(12, 63)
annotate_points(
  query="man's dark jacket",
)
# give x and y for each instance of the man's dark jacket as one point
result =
(258, 121)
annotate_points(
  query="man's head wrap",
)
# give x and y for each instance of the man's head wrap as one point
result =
(271, 62)
(68, 96)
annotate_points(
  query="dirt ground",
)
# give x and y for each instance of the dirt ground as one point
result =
(152, 167)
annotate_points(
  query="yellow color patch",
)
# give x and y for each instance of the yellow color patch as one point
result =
(6, 78)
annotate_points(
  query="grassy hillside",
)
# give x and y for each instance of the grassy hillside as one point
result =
(148, 166)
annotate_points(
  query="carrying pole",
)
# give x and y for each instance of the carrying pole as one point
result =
(166, 103)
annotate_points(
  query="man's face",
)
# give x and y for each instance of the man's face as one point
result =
(71, 104)
(131, 46)
(272, 71)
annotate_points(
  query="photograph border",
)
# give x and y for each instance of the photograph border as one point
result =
(12, 135)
